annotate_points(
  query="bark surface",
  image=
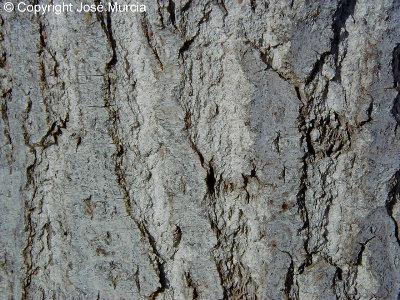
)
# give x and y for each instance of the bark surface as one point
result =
(201, 150)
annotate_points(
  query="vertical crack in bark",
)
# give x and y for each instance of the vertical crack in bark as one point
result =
(396, 67)
(393, 198)
(301, 195)
(253, 5)
(344, 10)
(28, 207)
(149, 34)
(222, 279)
(289, 280)
(222, 7)
(158, 261)
(106, 25)
(225, 266)
(210, 179)
(186, 6)
(394, 193)
(6, 131)
(171, 11)
(396, 83)
(30, 184)
(42, 47)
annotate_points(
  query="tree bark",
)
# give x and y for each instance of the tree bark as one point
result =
(201, 150)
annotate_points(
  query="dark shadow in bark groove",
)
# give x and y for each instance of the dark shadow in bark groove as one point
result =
(394, 193)
(393, 197)
(210, 180)
(106, 25)
(171, 11)
(396, 84)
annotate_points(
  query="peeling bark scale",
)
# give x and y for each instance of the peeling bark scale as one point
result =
(208, 149)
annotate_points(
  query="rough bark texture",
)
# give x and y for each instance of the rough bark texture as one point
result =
(204, 149)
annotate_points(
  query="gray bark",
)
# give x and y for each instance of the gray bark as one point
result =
(201, 150)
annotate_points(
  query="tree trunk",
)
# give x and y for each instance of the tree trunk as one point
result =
(201, 150)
